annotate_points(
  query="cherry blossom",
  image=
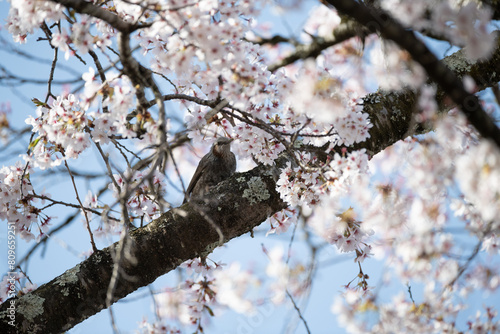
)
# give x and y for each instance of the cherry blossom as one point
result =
(212, 68)
(281, 221)
(26, 15)
(481, 183)
(18, 280)
(322, 21)
(157, 328)
(144, 200)
(231, 285)
(465, 25)
(16, 204)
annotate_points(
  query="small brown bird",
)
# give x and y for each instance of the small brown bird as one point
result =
(214, 167)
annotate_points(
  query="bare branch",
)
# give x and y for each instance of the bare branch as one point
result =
(139, 75)
(298, 311)
(343, 32)
(94, 248)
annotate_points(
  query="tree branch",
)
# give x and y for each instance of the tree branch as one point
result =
(178, 235)
(391, 112)
(450, 83)
(346, 30)
(84, 7)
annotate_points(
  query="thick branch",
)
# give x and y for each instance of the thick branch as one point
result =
(392, 112)
(495, 6)
(139, 75)
(378, 20)
(236, 206)
(84, 7)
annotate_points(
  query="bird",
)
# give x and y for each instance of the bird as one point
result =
(216, 166)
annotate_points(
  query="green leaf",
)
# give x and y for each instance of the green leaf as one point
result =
(33, 143)
(210, 311)
(39, 103)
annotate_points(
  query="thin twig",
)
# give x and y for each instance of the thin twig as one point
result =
(102, 75)
(56, 202)
(113, 322)
(290, 244)
(94, 248)
(411, 295)
(51, 76)
(177, 169)
(119, 148)
(108, 166)
(298, 311)
(462, 268)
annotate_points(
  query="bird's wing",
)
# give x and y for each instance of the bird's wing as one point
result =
(196, 176)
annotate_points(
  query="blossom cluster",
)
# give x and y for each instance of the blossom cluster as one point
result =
(410, 219)
(5, 285)
(146, 190)
(80, 36)
(391, 66)
(192, 38)
(66, 126)
(206, 32)
(408, 229)
(348, 235)
(470, 27)
(286, 276)
(320, 191)
(479, 180)
(207, 289)
(299, 186)
(465, 25)
(26, 15)
(16, 204)
(158, 327)
(394, 67)
(435, 314)
(322, 21)
(61, 128)
(257, 143)
(281, 221)
(329, 110)
(119, 98)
